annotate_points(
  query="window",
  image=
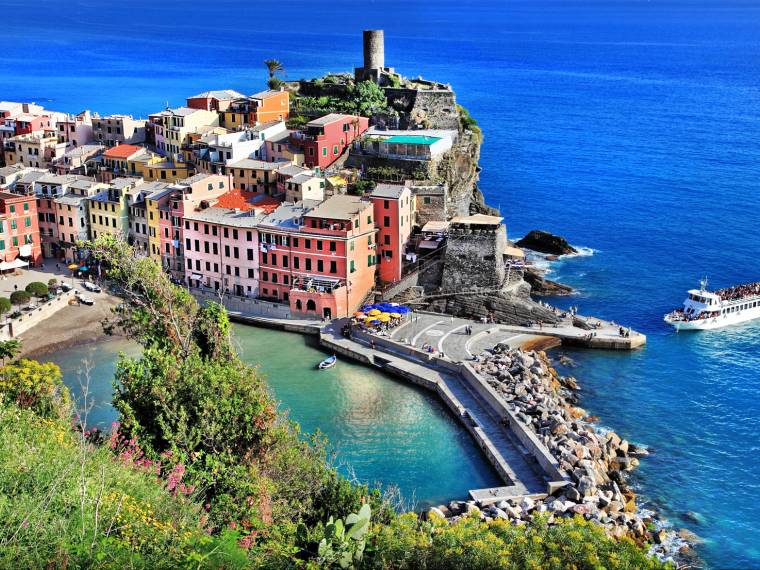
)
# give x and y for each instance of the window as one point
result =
(386, 204)
(274, 277)
(308, 264)
(386, 221)
(26, 206)
(351, 247)
(352, 266)
(333, 267)
(295, 242)
(324, 151)
(370, 260)
(284, 261)
(12, 208)
(225, 233)
(320, 265)
(250, 254)
(426, 200)
(319, 244)
(296, 263)
(386, 239)
(332, 246)
(335, 149)
(307, 244)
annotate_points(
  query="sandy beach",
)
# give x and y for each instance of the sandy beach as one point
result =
(71, 326)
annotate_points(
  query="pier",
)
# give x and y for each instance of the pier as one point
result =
(526, 467)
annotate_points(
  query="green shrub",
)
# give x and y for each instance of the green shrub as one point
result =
(52, 283)
(20, 297)
(5, 305)
(37, 289)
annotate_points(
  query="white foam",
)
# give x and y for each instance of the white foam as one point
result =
(580, 251)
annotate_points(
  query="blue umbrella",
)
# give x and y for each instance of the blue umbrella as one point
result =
(83, 268)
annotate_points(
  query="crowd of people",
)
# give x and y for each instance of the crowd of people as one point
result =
(739, 291)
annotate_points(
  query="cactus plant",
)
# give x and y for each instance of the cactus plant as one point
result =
(342, 543)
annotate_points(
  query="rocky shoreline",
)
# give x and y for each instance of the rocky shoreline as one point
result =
(596, 461)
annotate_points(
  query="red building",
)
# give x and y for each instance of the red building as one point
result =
(218, 100)
(325, 139)
(19, 228)
(320, 261)
(27, 123)
(394, 212)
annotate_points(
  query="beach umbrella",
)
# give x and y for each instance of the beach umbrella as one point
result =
(368, 321)
(73, 266)
(374, 313)
(396, 315)
(359, 315)
(384, 318)
(83, 268)
(375, 322)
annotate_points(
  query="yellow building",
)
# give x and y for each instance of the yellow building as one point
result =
(153, 204)
(109, 210)
(151, 167)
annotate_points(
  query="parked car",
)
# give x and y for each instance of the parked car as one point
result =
(85, 300)
(91, 287)
(66, 287)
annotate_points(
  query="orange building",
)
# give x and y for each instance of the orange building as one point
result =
(269, 106)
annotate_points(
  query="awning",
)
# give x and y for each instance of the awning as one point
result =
(435, 226)
(513, 251)
(196, 276)
(25, 250)
(16, 263)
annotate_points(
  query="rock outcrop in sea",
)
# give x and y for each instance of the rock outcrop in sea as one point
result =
(544, 242)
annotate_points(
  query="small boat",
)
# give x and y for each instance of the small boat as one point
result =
(704, 310)
(328, 362)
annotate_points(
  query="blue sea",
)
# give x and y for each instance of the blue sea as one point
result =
(630, 127)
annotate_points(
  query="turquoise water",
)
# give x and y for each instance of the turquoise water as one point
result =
(631, 127)
(383, 431)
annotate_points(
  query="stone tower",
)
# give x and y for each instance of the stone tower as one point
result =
(374, 57)
(374, 49)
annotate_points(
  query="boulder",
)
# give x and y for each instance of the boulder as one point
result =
(544, 242)
(437, 512)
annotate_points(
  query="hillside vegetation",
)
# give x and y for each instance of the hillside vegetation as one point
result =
(203, 472)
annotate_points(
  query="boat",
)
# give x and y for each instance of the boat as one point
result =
(706, 310)
(328, 362)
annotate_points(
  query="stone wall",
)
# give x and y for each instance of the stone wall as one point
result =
(29, 319)
(432, 108)
(474, 259)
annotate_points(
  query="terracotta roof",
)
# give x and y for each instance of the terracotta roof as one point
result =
(122, 151)
(244, 201)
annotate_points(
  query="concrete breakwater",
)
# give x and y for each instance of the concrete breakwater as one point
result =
(581, 470)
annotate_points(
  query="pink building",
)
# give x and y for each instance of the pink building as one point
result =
(394, 212)
(186, 196)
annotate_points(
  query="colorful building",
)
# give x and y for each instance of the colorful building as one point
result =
(325, 139)
(186, 196)
(281, 148)
(318, 258)
(255, 175)
(117, 129)
(218, 100)
(172, 126)
(305, 186)
(116, 161)
(221, 244)
(19, 229)
(259, 108)
(109, 209)
(33, 150)
(394, 215)
(75, 130)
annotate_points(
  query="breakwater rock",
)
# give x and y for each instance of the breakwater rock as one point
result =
(544, 242)
(596, 462)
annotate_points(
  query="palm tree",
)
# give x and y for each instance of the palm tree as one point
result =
(9, 349)
(273, 66)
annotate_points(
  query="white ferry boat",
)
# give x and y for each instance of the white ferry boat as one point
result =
(704, 310)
